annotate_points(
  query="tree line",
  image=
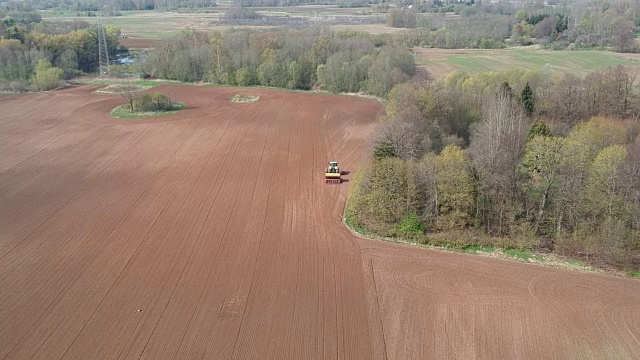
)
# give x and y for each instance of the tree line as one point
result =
(466, 161)
(305, 59)
(578, 25)
(602, 24)
(118, 5)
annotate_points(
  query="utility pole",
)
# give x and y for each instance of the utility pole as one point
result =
(103, 52)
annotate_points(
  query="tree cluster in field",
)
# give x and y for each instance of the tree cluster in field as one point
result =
(69, 49)
(139, 101)
(295, 59)
(497, 163)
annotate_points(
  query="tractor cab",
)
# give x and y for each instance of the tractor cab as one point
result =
(332, 173)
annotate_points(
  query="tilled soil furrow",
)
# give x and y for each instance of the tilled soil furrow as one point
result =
(212, 331)
(185, 303)
(83, 203)
(104, 252)
(40, 198)
(269, 195)
(124, 306)
(202, 196)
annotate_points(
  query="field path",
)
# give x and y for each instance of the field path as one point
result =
(209, 234)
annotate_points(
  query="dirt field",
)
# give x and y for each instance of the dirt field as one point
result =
(209, 234)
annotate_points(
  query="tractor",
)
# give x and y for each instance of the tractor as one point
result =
(332, 173)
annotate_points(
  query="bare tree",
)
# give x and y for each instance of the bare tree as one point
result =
(631, 181)
(568, 102)
(130, 93)
(544, 28)
(620, 80)
(402, 135)
(497, 145)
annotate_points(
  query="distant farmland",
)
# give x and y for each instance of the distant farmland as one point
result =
(440, 62)
(148, 24)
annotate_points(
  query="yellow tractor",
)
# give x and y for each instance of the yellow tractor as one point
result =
(332, 173)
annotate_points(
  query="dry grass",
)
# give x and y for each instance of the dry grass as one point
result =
(154, 25)
(244, 98)
(118, 88)
(370, 28)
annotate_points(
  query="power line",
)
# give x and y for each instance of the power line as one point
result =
(103, 52)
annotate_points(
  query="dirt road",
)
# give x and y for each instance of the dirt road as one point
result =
(209, 234)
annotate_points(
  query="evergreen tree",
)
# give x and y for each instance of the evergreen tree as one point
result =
(528, 100)
(538, 128)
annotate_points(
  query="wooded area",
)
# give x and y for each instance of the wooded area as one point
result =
(41, 55)
(295, 59)
(518, 159)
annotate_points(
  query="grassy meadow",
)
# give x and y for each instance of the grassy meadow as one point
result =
(441, 62)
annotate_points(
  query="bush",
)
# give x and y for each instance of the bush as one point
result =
(46, 77)
(411, 226)
(15, 86)
(153, 103)
(382, 150)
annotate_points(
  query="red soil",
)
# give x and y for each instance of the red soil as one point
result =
(210, 234)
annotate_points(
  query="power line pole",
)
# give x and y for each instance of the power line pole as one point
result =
(103, 52)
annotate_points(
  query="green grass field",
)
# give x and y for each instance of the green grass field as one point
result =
(440, 62)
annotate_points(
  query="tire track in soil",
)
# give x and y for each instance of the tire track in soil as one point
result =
(218, 212)
(41, 228)
(210, 234)
(176, 271)
(121, 261)
(259, 323)
(302, 343)
(132, 287)
(228, 304)
(49, 271)
(99, 263)
(38, 200)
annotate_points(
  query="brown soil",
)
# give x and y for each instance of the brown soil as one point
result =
(140, 43)
(210, 234)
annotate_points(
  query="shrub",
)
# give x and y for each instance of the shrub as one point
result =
(162, 102)
(46, 77)
(153, 103)
(382, 150)
(410, 226)
(15, 86)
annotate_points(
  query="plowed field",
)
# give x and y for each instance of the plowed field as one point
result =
(209, 234)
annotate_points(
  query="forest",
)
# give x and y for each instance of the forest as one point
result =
(527, 160)
(344, 61)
